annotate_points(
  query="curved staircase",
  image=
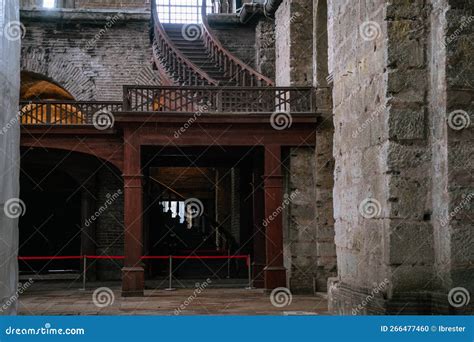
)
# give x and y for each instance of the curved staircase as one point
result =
(198, 58)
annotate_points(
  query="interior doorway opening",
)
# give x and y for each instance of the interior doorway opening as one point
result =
(200, 210)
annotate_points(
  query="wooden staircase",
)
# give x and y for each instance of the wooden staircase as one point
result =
(195, 51)
(200, 59)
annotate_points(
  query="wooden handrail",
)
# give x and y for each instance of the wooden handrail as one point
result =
(174, 57)
(230, 64)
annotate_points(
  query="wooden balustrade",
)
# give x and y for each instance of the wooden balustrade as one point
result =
(236, 70)
(219, 99)
(64, 112)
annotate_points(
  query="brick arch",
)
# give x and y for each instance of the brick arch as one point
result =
(70, 77)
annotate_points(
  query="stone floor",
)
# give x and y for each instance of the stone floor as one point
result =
(69, 300)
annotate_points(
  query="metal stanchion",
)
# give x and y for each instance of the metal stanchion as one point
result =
(228, 264)
(84, 272)
(170, 284)
(250, 287)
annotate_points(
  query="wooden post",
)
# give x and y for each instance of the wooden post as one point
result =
(258, 229)
(275, 272)
(133, 281)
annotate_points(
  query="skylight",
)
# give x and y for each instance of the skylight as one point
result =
(180, 11)
(49, 3)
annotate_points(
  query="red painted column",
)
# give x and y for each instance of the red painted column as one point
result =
(133, 281)
(275, 272)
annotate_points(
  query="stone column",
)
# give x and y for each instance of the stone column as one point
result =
(11, 206)
(133, 281)
(275, 272)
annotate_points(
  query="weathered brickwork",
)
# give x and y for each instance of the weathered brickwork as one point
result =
(91, 54)
(109, 224)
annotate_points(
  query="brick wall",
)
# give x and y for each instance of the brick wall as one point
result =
(91, 54)
(109, 226)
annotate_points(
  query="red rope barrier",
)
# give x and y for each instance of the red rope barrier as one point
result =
(118, 257)
(49, 257)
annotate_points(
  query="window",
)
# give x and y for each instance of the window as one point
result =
(181, 11)
(49, 3)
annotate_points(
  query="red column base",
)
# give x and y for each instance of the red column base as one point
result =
(275, 277)
(133, 281)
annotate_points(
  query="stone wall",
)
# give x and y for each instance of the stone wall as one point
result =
(395, 174)
(91, 54)
(10, 148)
(300, 229)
